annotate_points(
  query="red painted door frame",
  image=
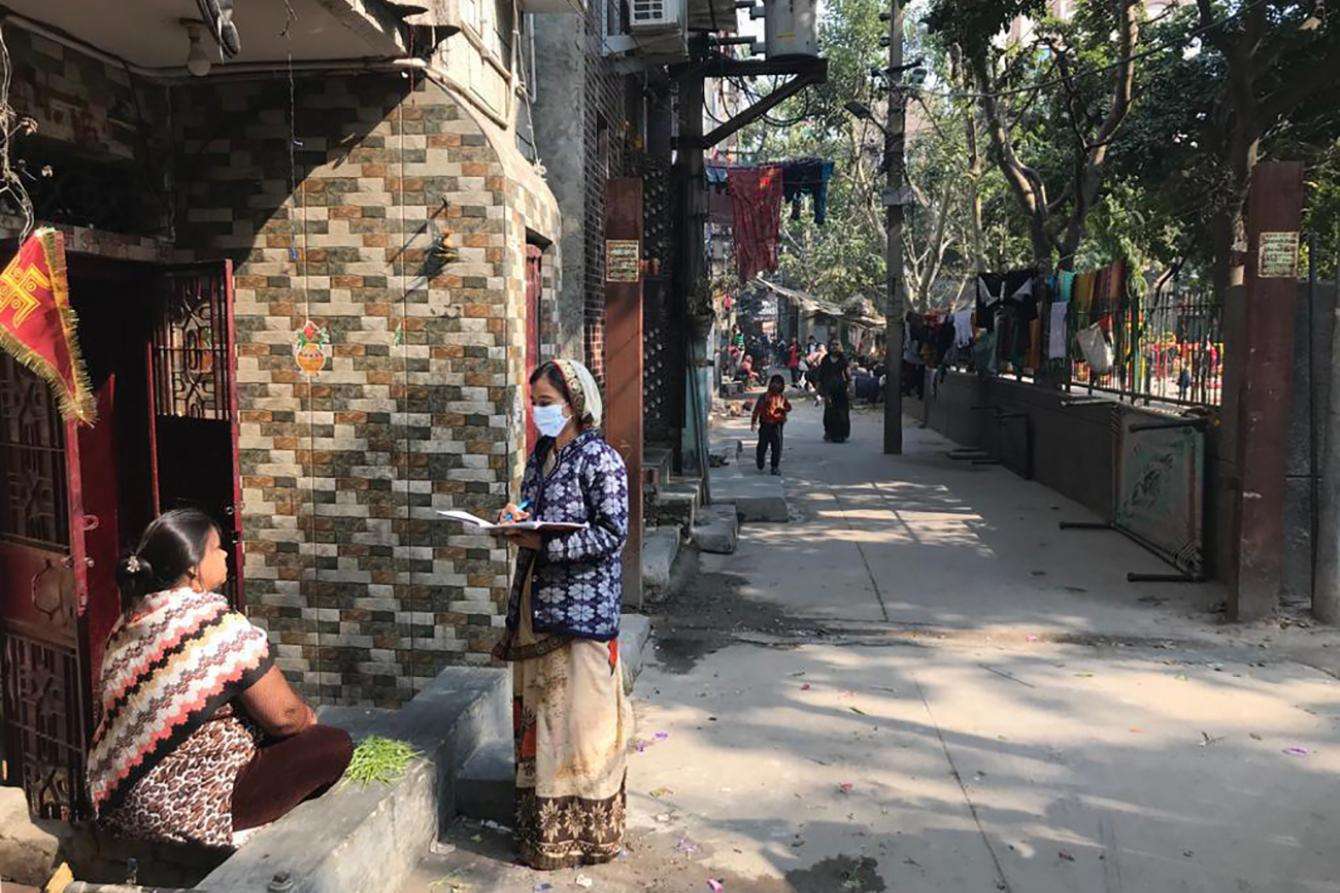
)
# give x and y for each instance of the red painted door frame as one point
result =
(623, 368)
(534, 291)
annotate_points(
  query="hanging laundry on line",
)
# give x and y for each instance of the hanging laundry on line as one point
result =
(807, 176)
(756, 203)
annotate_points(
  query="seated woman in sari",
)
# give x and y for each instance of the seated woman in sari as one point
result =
(200, 736)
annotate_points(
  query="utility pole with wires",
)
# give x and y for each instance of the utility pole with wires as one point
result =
(893, 198)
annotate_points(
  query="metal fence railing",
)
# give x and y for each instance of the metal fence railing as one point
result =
(1163, 347)
(1166, 347)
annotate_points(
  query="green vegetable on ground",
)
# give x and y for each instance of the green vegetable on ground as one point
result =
(378, 759)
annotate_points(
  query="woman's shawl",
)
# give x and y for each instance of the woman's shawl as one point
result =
(168, 667)
(577, 582)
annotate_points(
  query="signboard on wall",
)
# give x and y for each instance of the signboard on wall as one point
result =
(1277, 256)
(622, 260)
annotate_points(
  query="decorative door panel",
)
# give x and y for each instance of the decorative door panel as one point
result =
(44, 684)
(38, 589)
(193, 403)
(45, 725)
(33, 508)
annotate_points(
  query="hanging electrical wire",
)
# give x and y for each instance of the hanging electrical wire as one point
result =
(11, 126)
(298, 255)
(743, 86)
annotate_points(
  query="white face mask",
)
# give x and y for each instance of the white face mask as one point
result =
(549, 420)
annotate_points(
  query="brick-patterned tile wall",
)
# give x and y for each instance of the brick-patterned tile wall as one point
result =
(105, 113)
(366, 595)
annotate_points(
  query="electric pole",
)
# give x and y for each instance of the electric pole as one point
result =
(895, 307)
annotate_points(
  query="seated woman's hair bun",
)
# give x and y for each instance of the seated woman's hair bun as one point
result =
(133, 569)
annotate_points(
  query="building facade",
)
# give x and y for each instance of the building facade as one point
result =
(586, 126)
(310, 287)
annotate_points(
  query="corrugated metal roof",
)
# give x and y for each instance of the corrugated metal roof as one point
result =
(857, 309)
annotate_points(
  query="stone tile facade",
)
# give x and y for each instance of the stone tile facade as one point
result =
(406, 238)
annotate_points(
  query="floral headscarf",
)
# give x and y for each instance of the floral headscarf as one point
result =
(587, 404)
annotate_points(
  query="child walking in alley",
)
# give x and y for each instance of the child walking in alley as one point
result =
(769, 416)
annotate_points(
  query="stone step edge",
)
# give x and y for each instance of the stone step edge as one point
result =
(368, 839)
(660, 545)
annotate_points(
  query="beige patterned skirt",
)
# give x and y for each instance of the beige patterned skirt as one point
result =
(572, 725)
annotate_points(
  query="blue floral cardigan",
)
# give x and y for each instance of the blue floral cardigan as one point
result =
(577, 588)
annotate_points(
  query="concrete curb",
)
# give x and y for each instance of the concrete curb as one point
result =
(660, 545)
(357, 839)
(718, 529)
(634, 634)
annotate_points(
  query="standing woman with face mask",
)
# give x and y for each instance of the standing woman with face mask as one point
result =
(570, 720)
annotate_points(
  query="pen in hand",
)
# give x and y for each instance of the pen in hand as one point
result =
(521, 506)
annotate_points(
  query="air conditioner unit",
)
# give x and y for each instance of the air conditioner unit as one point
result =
(657, 16)
(657, 34)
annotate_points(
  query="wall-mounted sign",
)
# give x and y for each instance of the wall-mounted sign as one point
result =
(311, 347)
(622, 260)
(1277, 256)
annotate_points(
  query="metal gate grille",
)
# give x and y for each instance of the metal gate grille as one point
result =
(44, 725)
(33, 506)
(658, 382)
(190, 351)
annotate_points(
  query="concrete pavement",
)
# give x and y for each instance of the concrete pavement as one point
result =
(920, 683)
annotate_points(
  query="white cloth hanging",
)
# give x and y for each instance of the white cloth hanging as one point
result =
(963, 328)
(1056, 333)
(1097, 349)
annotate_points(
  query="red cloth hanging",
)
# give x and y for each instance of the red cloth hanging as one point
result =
(756, 204)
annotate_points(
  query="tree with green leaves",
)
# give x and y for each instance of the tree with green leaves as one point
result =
(1052, 105)
(1280, 61)
(844, 257)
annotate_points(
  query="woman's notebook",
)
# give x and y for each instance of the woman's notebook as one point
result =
(542, 526)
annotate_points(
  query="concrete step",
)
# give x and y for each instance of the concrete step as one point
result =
(358, 839)
(757, 497)
(676, 504)
(658, 462)
(28, 852)
(660, 545)
(717, 528)
(486, 785)
(634, 634)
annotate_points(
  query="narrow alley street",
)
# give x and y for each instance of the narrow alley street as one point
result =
(378, 500)
(920, 683)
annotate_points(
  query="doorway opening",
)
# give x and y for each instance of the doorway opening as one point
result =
(159, 346)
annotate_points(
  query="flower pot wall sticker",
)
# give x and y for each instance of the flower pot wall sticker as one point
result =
(311, 348)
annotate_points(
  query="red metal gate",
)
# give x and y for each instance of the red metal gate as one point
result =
(60, 503)
(43, 590)
(193, 403)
